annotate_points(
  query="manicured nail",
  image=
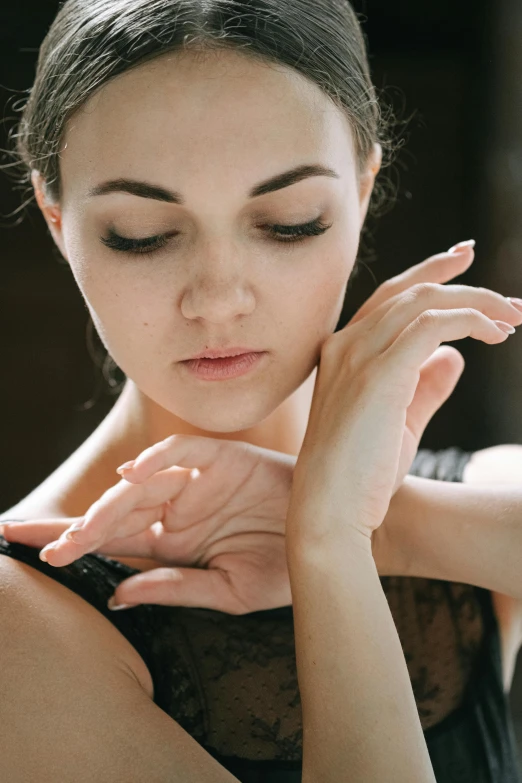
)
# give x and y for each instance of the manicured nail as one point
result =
(126, 466)
(71, 533)
(43, 555)
(505, 327)
(461, 246)
(515, 302)
(111, 603)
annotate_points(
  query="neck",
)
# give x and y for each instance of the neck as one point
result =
(139, 420)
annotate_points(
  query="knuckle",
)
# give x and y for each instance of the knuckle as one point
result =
(389, 285)
(352, 362)
(347, 355)
(472, 313)
(425, 290)
(173, 575)
(426, 319)
(330, 347)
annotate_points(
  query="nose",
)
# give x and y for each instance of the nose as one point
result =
(219, 289)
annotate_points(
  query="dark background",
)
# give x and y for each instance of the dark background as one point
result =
(454, 71)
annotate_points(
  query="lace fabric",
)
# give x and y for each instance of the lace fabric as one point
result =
(231, 681)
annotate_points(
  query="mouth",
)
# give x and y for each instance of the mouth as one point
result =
(224, 353)
(224, 367)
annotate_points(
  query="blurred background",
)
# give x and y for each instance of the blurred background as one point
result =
(453, 73)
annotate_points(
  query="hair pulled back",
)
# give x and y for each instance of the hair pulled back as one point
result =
(92, 41)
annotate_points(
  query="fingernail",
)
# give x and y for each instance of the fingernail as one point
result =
(111, 603)
(505, 327)
(461, 246)
(46, 548)
(515, 302)
(126, 466)
(71, 533)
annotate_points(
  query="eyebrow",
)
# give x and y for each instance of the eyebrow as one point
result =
(147, 190)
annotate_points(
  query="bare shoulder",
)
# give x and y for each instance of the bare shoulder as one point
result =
(49, 604)
(77, 482)
(39, 504)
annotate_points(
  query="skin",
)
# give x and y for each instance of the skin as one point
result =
(223, 281)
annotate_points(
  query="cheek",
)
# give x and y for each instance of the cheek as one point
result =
(126, 316)
(326, 304)
(322, 288)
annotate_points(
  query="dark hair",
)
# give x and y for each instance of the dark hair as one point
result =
(92, 41)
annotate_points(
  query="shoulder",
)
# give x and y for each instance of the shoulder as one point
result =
(67, 492)
(34, 506)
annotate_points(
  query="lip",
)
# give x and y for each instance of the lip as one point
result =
(224, 368)
(221, 353)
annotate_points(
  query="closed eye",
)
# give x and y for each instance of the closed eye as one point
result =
(281, 233)
(296, 232)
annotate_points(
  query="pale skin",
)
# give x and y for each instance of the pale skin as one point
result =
(224, 283)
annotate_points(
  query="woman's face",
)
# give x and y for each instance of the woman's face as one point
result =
(211, 128)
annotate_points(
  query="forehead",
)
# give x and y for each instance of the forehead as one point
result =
(178, 116)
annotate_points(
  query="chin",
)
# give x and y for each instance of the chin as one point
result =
(223, 423)
(232, 415)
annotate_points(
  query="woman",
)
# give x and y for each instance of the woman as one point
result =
(175, 148)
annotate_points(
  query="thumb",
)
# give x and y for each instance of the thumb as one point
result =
(203, 588)
(438, 377)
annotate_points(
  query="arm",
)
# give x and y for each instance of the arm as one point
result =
(458, 533)
(360, 720)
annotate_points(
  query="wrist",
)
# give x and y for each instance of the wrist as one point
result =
(393, 543)
(342, 563)
(317, 530)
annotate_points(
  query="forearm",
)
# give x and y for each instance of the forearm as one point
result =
(458, 533)
(360, 720)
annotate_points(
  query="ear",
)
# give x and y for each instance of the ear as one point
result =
(51, 212)
(367, 180)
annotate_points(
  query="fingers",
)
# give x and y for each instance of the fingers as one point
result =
(394, 315)
(439, 268)
(150, 543)
(64, 551)
(127, 509)
(195, 587)
(39, 532)
(418, 341)
(438, 378)
(123, 510)
(187, 451)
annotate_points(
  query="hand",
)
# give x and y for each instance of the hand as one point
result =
(440, 373)
(220, 529)
(226, 519)
(232, 529)
(369, 372)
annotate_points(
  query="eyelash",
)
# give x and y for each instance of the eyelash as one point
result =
(149, 245)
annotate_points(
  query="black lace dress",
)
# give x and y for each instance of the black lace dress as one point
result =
(231, 681)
